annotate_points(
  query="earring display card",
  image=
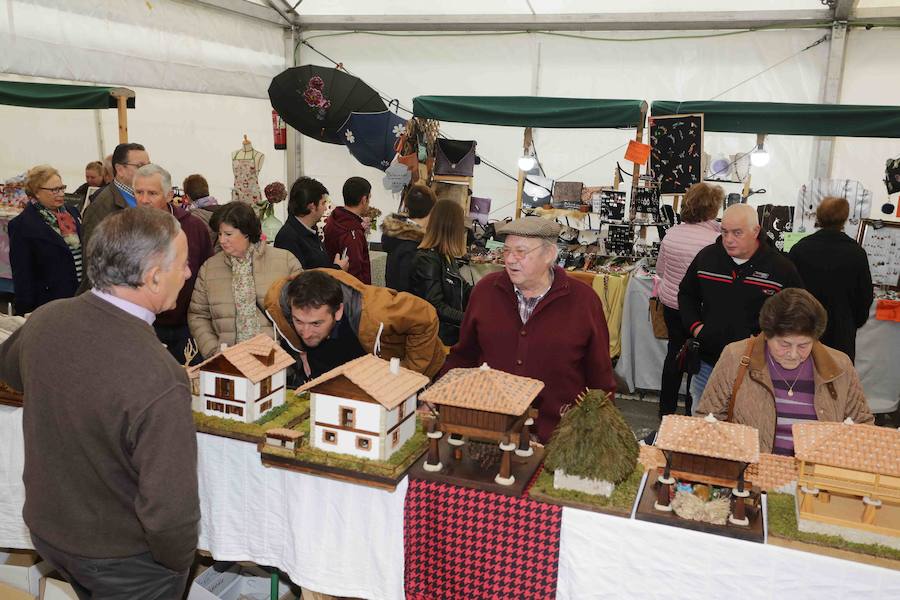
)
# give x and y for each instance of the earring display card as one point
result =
(646, 203)
(775, 221)
(675, 161)
(612, 205)
(567, 194)
(881, 241)
(620, 240)
(812, 194)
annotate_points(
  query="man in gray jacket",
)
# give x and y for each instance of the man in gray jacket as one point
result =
(110, 449)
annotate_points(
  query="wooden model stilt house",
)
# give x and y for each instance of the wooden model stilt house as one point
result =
(707, 451)
(364, 408)
(849, 481)
(593, 449)
(482, 404)
(245, 381)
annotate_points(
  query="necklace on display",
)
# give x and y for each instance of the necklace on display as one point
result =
(775, 370)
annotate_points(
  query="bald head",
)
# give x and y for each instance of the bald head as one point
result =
(740, 228)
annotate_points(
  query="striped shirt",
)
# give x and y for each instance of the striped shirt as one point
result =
(790, 409)
(77, 256)
(127, 193)
(527, 305)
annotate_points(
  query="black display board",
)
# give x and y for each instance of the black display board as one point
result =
(677, 150)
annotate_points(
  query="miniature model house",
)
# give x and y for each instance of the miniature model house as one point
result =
(243, 382)
(849, 481)
(707, 451)
(364, 408)
(482, 404)
(593, 448)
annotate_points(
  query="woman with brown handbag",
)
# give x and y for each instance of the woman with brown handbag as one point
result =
(785, 375)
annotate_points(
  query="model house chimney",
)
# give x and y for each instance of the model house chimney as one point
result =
(395, 366)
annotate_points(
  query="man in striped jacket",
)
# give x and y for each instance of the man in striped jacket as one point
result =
(724, 288)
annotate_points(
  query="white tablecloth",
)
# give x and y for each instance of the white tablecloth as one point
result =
(641, 361)
(347, 540)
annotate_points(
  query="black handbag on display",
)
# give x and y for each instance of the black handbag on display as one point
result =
(688, 358)
(892, 176)
(454, 157)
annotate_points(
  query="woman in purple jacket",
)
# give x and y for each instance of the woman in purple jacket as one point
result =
(680, 245)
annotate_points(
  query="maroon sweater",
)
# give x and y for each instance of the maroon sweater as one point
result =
(344, 230)
(199, 249)
(565, 343)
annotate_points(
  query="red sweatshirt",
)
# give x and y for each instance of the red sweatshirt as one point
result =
(344, 230)
(565, 343)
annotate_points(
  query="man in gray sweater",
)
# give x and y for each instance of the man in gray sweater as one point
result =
(110, 448)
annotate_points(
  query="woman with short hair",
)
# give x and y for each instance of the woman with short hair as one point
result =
(790, 376)
(435, 273)
(232, 285)
(677, 250)
(45, 243)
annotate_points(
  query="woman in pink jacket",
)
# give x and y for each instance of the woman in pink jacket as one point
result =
(678, 248)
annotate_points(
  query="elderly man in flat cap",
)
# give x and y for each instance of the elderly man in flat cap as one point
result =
(532, 319)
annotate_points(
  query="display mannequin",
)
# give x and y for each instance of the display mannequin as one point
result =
(246, 164)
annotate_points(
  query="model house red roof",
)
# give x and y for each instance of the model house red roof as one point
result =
(484, 389)
(375, 377)
(256, 358)
(707, 436)
(849, 446)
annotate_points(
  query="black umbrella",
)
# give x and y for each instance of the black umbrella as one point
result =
(317, 100)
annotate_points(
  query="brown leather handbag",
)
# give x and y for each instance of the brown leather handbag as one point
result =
(657, 320)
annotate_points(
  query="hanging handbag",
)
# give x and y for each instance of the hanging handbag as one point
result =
(892, 176)
(454, 157)
(688, 358)
(657, 320)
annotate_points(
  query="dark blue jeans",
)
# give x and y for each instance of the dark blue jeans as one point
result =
(128, 578)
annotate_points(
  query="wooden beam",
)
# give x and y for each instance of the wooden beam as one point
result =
(122, 108)
(570, 22)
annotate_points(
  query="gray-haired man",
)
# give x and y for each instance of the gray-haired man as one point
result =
(110, 449)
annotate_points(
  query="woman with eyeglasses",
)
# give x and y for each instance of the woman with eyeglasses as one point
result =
(231, 286)
(435, 273)
(45, 243)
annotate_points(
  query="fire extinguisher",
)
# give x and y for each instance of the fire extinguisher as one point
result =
(279, 132)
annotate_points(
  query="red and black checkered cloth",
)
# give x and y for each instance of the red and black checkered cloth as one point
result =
(469, 545)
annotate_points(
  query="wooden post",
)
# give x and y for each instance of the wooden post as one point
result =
(675, 202)
(434, 453)
(506, 460)
(122, 95)
(526, 147)
(662, 494)
(636, 168)
(824, 497)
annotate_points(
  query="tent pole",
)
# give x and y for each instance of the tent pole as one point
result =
(636, 170)
(122, 106)
(526, 146)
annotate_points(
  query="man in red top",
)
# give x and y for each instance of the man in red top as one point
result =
(532, 319)
(153, 188)
(345, 229)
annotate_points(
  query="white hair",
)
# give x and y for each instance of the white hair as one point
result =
(152, 169)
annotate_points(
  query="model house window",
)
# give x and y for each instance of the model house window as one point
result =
(348, 417)
(265, 406)
(265, 387)
(363, 443)
(216, 406)
(234, 410)
(401, 411)
(329, 437)
(225, 388)
(395, 438)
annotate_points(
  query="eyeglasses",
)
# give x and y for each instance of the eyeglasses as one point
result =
(57, 190)
(518, 253)
(136, 165)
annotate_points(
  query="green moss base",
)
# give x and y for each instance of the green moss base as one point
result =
(783, 523)
(295, 407)
(620, 501)
(394, 467)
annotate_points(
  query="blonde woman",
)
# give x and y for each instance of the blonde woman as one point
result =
(45, 243)
(435, 271)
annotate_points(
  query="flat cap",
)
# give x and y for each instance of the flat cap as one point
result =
(533, 227)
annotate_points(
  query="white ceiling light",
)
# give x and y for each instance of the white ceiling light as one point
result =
(760, 156)
(526, 163)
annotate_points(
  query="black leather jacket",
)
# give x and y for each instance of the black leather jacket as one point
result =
(437, 280)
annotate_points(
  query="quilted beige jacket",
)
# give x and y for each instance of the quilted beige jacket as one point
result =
(755, 402)
(211, 315)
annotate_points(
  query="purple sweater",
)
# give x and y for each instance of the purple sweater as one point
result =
(678, 248)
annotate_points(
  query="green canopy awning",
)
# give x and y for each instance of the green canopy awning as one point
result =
(843, 120)
(49, 95)
(531, 111)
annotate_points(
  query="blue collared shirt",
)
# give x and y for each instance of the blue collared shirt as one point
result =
(127, 193)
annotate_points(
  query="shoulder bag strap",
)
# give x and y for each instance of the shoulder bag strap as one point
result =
(742, 370)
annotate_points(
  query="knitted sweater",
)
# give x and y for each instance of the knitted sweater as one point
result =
(110, 446)
(676, 251)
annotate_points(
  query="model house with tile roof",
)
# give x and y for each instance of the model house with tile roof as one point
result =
(364, 408)
(849, 481)
(708, 451)
(486, 405)
(242, 382)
